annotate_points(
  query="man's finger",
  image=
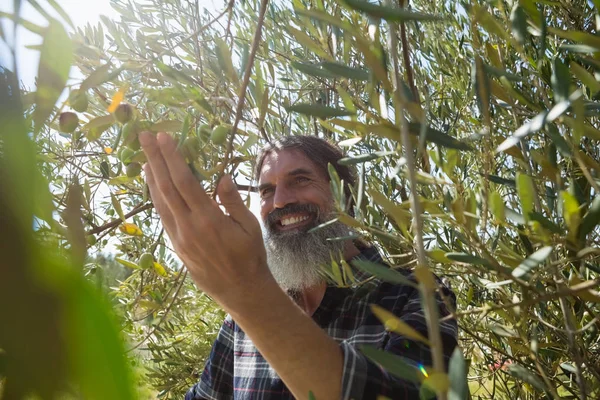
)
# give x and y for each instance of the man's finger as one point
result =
(189, 188)
(160, 172)
(159, 202)
(232, 201)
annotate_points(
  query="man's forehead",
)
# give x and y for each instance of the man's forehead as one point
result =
(283, 162)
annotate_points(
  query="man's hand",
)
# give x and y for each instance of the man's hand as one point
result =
(224, 254)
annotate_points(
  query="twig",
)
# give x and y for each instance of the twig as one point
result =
(164, 316)
(406, 58)
(568, 318)
(244, 86)
(581, 287)
(430, 306)
(117, 221)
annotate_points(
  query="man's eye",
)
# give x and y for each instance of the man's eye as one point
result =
(266, 192)
(301, 179)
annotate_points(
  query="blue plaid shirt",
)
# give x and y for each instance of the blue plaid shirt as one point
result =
(236, 370)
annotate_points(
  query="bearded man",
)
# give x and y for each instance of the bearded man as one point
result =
(288, 332)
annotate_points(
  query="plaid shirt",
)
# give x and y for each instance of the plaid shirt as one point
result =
(236, 370)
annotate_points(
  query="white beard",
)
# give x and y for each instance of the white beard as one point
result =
(296, 258)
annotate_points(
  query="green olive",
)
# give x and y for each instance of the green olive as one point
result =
(124, 113)
(91, 240)
(133, 169)
(146, 261)
(68, 122)
(134, 144)
(219, 134)
(125, 155)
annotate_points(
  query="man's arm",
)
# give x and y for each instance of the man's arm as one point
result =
(307, 359)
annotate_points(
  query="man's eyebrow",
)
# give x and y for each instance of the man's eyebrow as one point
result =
(295, 172)
(264, 186)
(301, 171)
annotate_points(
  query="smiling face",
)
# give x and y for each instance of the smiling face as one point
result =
(294, 194)
(295, 197)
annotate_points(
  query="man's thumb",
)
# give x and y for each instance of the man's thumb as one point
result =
(232, 201)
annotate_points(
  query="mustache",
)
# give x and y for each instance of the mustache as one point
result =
(279, 213)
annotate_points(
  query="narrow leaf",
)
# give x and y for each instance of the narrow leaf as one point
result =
(55, 63)
(392, 363)
(318, 110)
(383, 272)
(457, 373)
(117, 206)
(126, 263)
(312, 70)
(526, 192)
(468, 259)
(395, 324)
(343, 70)
(393, 14)
(532, 261)
(99, 76)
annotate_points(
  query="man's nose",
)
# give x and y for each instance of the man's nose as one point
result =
(283, 197)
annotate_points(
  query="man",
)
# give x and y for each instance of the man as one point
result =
(288, 333)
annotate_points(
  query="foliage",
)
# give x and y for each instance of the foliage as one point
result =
(485, 113)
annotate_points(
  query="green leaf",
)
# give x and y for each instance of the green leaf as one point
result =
(532, 261)
(497, 72)
(497, 206)
(117, 206)
(457, 372)
(503, 330)
(30, 26)
(126, 263)
(318, 110)
(577, 36)
(393, 14)
(343, 70)
(502, 181)
(99, 76)
(481, 84)
(61, 12)
(591, 218)
(364, 158)
(570, 211)
(438, 137)
(585, 77)
(306, 41)
(394, 364)
(526, 192)
(55, 63)
(520, 372)
(561, 80)
(100, 122)
(311, 395)
(97, 355)
(167, 126)
(397, 325)
(224, 58)
(382, 272)
(312, 70)
(545, 222)
(468, 259)
(535, 124)
(518, 22)
(560, 143)
(579, 48)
